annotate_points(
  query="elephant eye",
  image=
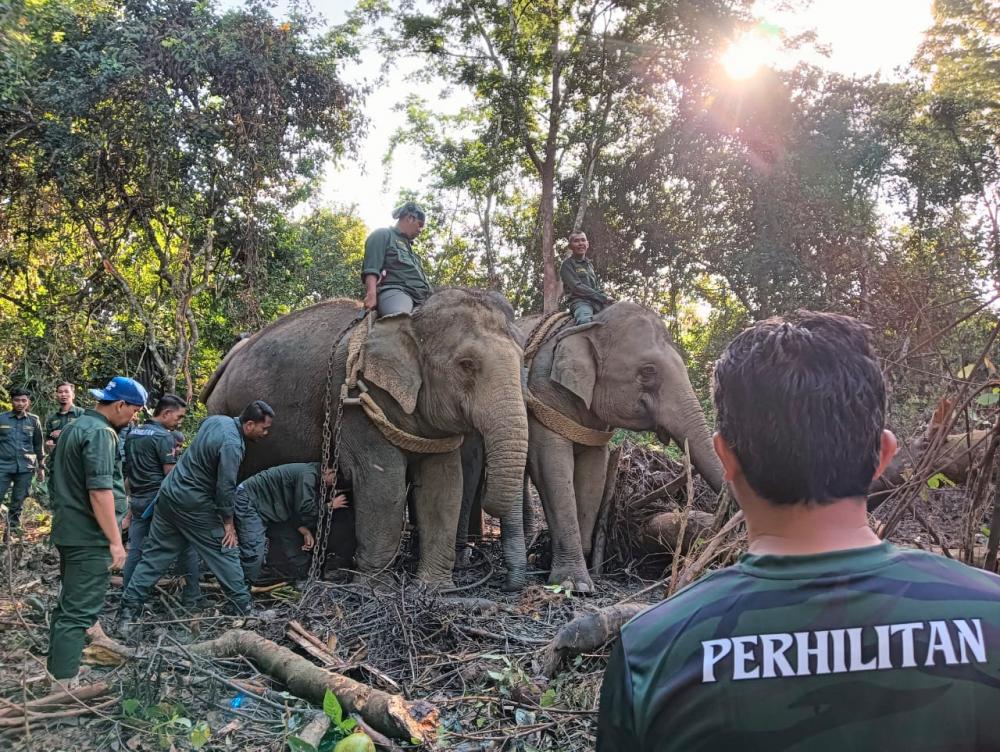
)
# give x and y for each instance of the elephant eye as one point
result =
(468, 365)
(648, 371)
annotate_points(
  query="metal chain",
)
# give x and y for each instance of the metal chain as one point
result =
(331, 437)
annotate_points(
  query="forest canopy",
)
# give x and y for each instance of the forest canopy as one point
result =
(160, 165)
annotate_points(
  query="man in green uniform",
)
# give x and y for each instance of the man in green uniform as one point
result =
(580, 284)
(21, 455)
(823, 637)
(194, 508)
(284, 493)
(392, 273)
(150, 455)
(88, 496)
(57, 421)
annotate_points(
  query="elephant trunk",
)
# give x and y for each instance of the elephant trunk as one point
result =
(505, 436)
(687, 421)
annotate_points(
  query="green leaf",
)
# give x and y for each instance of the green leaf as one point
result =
(200, 735)
(183, 722)
(130, 706)
(348, 724)
(331, 706)
(940, 479)
(988, 398)
(300, 745)
(548, 698)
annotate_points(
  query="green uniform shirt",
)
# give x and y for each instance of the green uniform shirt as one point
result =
(864, 650)
(580, 281)
(85, 459)
(147, 449)
(389, 253)
(20, 442)
(205, 475)
(286, 493)
(58, 421)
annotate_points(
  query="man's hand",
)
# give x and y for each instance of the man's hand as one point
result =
(127, 520)
(50, 444)
(229, 539)
(117, 555)
(339, 502)
(371, 300)
(41, 474)
(308, 541)
(55, 435)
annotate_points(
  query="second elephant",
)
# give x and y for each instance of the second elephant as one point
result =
(620, 371)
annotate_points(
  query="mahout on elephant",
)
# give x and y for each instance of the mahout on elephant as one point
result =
(619, 371)
(450, 369)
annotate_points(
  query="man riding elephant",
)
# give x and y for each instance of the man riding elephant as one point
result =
(393, 274)
(583, 290)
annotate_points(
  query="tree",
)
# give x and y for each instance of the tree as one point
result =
(554, 77)
(167, 137)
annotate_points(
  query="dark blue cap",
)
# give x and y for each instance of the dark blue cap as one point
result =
(122, 388)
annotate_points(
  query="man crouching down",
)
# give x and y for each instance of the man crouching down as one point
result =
(822, 637)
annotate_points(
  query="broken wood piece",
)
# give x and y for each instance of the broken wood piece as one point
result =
(116, 581)
(101, 650)
(586, 632)
(15, 721)
(53, 700)
(315, 730)
(312, 645)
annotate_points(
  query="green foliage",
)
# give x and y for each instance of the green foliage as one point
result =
(166, 722)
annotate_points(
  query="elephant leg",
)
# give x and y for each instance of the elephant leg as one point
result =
(438, 499)
(550, 462)
(588, 481)
(379, 479)
(470, 521)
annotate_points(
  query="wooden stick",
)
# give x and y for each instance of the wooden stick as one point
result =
(604, 513)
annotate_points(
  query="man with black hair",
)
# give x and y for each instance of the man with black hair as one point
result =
(392, 273)
(150, 456)
(280, 494)
(66, 414)
(88, 497)
(194, 507)
(822, 637)
(584, 295)
(21, 455)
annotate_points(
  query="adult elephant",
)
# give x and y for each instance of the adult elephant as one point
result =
(450, 369)
(619, 371)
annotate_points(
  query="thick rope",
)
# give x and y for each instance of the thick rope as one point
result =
(544, 414)
(566, 427)
(400, 438)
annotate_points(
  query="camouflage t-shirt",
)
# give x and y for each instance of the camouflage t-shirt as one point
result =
(868, 649)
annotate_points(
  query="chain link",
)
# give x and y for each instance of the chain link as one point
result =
(331, 440)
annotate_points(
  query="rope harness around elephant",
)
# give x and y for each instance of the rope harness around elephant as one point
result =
(548, 416)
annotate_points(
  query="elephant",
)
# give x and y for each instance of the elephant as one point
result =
(452, 368)
(620, 370)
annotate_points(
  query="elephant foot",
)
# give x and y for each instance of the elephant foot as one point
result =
(514, 582)
(571, 578)
(434, 582)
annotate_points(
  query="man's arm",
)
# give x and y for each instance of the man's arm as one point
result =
(102, 501)
(99, 456)
(230, 457)
(615, 719)
(39, 443)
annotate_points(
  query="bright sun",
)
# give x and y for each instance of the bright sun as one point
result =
(746, 56)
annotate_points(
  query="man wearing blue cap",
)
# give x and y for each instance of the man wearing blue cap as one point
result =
(88, 499)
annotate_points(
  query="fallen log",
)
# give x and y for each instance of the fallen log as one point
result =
(53, 701)
(585, 633)
(389, 714)
(661, 532)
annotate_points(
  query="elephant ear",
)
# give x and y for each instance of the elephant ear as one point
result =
(574, 365)
(392, 359)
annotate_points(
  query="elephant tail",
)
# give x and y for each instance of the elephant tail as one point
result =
(206, 391)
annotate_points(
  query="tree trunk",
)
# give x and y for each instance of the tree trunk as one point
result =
(546, 210)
